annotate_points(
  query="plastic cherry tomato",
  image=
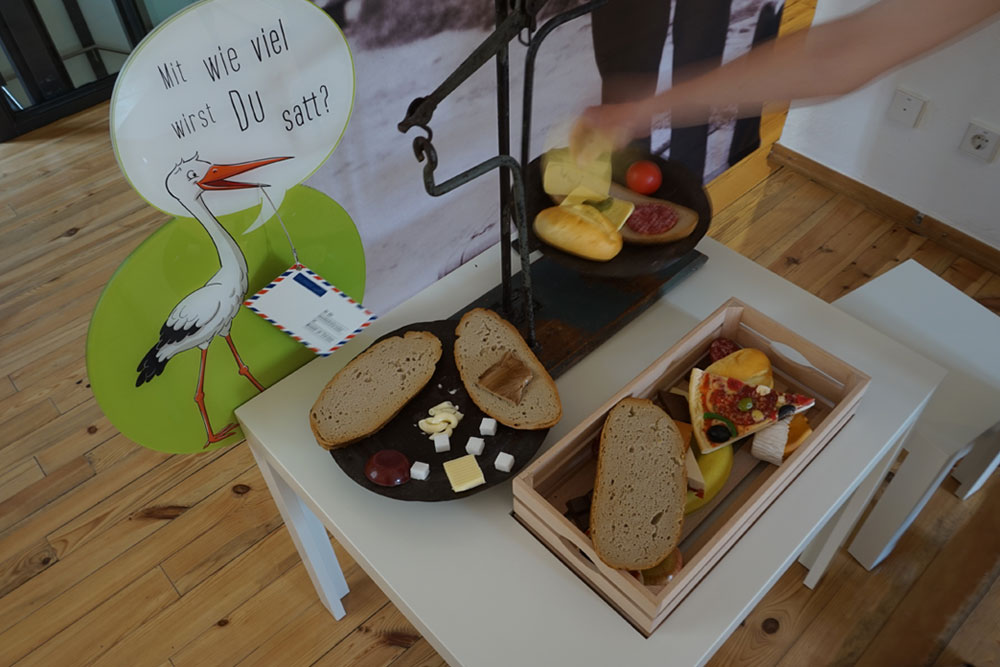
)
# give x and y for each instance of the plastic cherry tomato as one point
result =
(643, 177)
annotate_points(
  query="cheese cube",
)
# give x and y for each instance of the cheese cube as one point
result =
(419, 470)
(442, 443)
(464, 473)
(475, 446)
(488, 426)
(504, 462)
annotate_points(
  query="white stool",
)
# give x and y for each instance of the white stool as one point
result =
(925, 313)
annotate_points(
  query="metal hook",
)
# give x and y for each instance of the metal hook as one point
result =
(422, 148)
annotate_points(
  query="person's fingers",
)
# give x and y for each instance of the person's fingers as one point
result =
(589, 142)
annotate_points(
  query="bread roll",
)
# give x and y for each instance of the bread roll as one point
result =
(580, 230)
(748, 365)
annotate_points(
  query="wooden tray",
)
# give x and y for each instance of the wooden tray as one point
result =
(401, 433)
(567, 470)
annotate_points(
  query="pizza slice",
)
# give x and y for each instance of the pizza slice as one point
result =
(724, 410)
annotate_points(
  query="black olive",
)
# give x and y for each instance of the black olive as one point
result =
(786, 411)
(719, 433)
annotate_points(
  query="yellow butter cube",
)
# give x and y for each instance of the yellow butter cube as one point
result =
(464, 473)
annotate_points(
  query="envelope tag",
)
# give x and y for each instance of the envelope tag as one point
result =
(310, 310)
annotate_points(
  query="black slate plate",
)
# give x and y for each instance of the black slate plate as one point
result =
(679, 186)
(402, 433)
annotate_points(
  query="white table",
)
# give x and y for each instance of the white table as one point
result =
(476, 584)
(925, 313)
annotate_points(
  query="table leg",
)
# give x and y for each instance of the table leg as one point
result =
(913, 485)
(980, 463)
(820, 552)
(309, 536)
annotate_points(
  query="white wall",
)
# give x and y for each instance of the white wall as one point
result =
(919, 166)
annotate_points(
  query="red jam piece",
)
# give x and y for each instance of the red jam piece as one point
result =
(388, 467)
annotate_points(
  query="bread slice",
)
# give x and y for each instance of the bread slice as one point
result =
(640, 488)
(483, 338)
(373, 387)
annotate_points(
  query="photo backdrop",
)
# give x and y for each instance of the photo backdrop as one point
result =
(403, 50)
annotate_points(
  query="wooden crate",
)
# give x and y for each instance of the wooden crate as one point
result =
(567, 470)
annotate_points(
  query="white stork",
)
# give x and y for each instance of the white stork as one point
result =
(208, 311)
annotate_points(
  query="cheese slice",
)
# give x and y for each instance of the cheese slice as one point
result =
(616, 211)
(581, 194)
(464, 473)
(561, 174)
(696, 481)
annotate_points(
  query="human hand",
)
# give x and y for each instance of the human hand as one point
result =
(608, 127)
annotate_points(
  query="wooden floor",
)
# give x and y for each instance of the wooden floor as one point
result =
(114, 554)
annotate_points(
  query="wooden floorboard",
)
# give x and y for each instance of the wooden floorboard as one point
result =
(114, 554)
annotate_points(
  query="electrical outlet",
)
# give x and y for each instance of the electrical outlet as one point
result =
(980, 141)
(906, 108)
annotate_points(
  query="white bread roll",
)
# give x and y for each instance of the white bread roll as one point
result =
(580, 230)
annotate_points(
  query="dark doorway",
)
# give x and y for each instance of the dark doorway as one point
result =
(58, 57)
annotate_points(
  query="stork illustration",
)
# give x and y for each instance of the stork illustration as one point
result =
(208, 311)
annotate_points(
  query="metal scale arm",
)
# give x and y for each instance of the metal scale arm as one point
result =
(512, 18)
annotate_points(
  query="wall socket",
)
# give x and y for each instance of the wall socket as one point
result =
(980, 142)
(906, 108)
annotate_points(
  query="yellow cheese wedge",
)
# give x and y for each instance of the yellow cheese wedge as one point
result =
(715, 468)
(561, 174)
(464, 473)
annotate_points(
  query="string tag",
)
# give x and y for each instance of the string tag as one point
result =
(307, 307)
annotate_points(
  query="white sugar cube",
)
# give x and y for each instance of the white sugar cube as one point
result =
(504, 462)
(419, 470)
(475, 445)
(442, 443)
(488, 426)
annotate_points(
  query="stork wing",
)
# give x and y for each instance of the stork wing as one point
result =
(192, 313)
(186, 319)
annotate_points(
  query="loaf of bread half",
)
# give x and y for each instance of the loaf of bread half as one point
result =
(640, 488)
(483, 338)
(373, 387)
(687, 220)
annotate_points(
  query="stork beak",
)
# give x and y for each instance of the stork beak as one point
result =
(216, 176)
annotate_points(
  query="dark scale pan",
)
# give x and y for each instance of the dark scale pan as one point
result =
(402, 433)
(679, 186)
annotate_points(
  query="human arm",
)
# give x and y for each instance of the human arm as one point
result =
(830, 59)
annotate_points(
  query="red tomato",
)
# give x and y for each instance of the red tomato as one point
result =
(643, 177)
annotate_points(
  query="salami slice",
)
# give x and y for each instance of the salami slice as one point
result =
(652, 219)
(722, 347)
